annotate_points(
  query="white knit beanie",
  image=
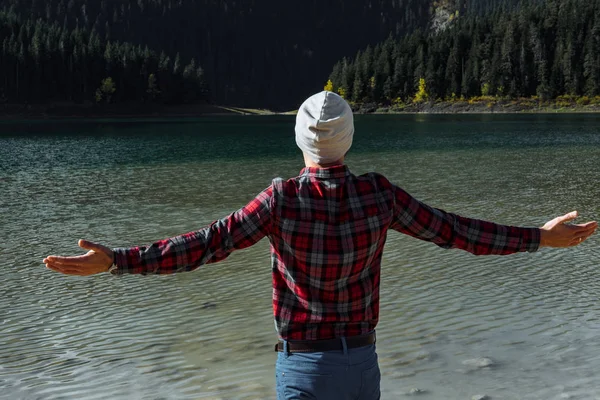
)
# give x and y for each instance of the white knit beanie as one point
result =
(325, 127)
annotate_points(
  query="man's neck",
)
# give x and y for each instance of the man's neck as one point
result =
(311, 164)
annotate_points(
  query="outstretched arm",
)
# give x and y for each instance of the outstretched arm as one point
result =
(447, 230)
(182, 253)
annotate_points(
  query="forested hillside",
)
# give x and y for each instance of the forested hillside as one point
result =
(49, 62)
(544, 49)
(272, 54)
(257, 53)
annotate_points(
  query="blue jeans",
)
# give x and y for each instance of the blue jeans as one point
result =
(349, 374)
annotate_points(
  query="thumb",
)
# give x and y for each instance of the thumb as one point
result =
(87, 245)
(568, 217)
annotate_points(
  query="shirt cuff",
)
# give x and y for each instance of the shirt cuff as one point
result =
(531, 240)
(119, 261)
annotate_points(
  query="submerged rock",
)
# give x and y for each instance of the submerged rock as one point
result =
(481, 362)
(415, 391)
(423, 355)
(480, 397)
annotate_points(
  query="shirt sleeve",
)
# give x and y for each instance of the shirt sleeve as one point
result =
(213, 243)
(449, 231)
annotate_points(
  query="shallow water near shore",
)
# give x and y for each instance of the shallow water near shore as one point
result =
(452, 325)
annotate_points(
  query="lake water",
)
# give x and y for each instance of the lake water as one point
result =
(210, 334)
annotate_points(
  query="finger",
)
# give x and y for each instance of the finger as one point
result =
(86, 244)
(77, 272)
(82, 270)
(585, 230)
(72, 272)
(72, 261)
(50, 265)
(582, 234)
(567, 217)
(579, 240)
(68, 265)
(587, 225)
(65, 270)
(55, 267)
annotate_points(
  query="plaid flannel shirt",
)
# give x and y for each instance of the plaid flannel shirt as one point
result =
(327, 229)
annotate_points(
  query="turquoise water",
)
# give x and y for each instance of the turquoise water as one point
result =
(209, 334)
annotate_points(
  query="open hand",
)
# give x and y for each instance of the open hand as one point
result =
(557, 233)
(98, 259)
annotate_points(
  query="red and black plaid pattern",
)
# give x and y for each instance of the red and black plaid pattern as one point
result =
(327, 230)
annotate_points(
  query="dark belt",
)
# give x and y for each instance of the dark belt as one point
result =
(309, 346)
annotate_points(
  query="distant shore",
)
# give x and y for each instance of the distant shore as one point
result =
(485, 105)
(120, 111)
(140, 110)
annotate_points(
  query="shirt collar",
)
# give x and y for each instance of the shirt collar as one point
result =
(335, 172)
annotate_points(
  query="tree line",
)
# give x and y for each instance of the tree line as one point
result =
(262, 54)
(266, 53)
(544, 49)
(43, 62)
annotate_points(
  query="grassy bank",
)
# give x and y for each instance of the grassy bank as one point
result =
(485, 104)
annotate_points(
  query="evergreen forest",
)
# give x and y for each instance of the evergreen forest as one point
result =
(268, 54)
(537, 49)
(255, 53)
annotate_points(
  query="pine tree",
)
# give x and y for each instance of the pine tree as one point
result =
(152, 90)
(388, 89)
(347, 79)
(177, 64)
(454, 70)
(591, 63)
(358, 89)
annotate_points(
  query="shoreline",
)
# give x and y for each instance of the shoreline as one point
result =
(9, 112)
(486, 105)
